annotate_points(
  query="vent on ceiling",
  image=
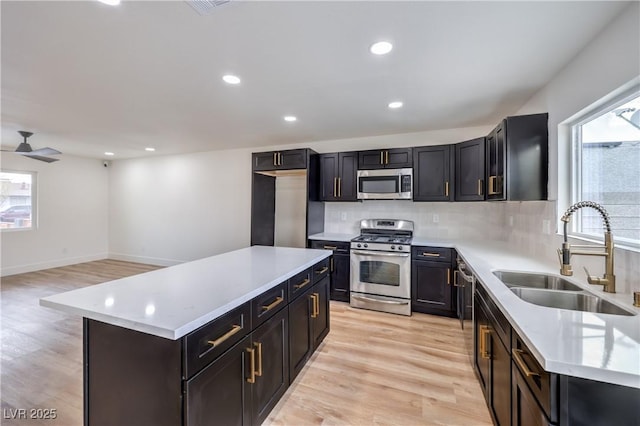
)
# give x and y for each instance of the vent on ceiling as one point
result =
(205, 7)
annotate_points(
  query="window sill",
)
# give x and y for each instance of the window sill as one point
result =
(595, 240)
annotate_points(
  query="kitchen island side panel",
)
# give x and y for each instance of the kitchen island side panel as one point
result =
(131, 378)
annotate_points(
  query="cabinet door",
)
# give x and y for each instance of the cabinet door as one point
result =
(398, 158)
(219, 394)
(292, 159)
(347, 173)
(431, 288)
(340, 277)
(328, 177)
(300, 343)
(525, 411)
(496, 163)
(432, 173)
(265, 160)
(470, 166)
(271, 344)
(320, 315)
(500, 381)
(481, 352)
(372, 159)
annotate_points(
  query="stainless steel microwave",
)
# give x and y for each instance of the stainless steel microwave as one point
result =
(385, 184)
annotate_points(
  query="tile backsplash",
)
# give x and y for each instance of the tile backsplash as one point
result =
(529, 227)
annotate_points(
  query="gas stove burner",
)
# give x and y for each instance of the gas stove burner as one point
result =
(384, 235)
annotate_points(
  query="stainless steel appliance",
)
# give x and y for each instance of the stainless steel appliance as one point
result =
(465, 283)
(385, 184)
(381, 266)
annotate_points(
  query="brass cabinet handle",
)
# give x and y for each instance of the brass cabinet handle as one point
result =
(335, 187)
(302, 284)
(330, 247)
(446, 189)
(279, 159)
(234, 329)
(322, 271)
(517, 356)
(275, 303)
(381, 157)
(331, 264)
(313, 305)
(317, 304)
(386, 154)
(252, 365)
(448, 276)
(479, 186)
(258, 346)
(339, 187)
(431, 254)
(275, 158)
(484, 331)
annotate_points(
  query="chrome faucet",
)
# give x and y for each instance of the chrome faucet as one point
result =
(609, 279)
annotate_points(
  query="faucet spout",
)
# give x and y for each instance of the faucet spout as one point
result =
(565, 253)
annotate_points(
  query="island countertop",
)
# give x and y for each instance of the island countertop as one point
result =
(174, 301)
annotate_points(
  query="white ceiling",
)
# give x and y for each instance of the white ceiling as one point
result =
(89, 78)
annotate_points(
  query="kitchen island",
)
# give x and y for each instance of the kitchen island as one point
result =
(213, 341)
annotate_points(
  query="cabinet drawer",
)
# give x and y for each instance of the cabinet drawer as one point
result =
(543, 385)
(299, 283)
(268, 303)
(321, 270)
(433, 254)
(208, 342)
(336, 246)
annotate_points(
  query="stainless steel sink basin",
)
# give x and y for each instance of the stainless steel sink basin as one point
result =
(575, 301)
(542, 281)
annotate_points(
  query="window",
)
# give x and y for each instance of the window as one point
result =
(17, 200)
(606, 169)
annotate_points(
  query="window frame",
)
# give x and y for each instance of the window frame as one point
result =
(34, 201)
(601, 107)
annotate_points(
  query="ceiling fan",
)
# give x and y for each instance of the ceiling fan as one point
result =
(39, 154)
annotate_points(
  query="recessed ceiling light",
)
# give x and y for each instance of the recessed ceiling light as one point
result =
(395, 105)
(149, 149)
(290, 118)
(110, 2)
(231, 79)
(109, 153)
(381, 48)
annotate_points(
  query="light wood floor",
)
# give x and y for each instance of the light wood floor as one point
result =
(372, 368)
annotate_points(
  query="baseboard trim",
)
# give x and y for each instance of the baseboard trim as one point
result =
(32, 267)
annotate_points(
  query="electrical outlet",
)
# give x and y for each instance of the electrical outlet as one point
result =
(343, 216)
(546, 227)
(436, 218)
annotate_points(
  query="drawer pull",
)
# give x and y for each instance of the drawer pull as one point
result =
(258, 346)
(517, 356)
(323, 270)
(448, 276)
(266, 308)
(427, 254)
(330, 247)
(234, 329)
(302, 284)
(252, 365)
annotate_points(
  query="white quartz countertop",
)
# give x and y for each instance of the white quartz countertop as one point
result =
(328, 236)
(594, 346)
(174, 301)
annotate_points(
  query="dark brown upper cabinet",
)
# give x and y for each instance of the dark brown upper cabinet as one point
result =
(433, 173)
(338, 176)
(396, 158)
(518, 159)
(470, 170)
(280, 160)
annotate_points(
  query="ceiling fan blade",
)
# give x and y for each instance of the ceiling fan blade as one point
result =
(45, 159)
(44, 151)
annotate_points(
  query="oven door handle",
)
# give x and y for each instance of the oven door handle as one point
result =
(370, 299)
(379, 253)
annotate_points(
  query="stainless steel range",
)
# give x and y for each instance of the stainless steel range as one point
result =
(381, 266)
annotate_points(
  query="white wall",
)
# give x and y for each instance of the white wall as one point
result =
(166, 210)
(72, 224)
(291, 209)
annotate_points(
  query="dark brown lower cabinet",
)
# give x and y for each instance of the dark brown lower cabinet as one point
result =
(500, 381)
(320, 318)
(525, 410)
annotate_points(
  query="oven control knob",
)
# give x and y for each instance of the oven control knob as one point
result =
(366, 245)
(393, 247)
(359, 245)
(399, 247)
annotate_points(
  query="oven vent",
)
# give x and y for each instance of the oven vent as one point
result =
(206, 7)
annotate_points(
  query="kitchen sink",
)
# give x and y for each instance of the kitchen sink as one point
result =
(572, 300)
(541, 281)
